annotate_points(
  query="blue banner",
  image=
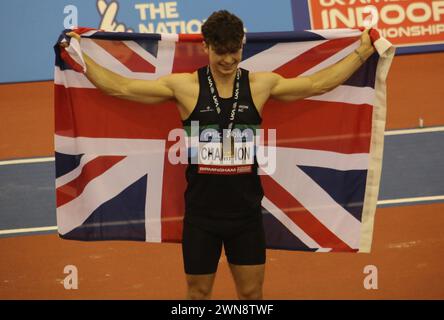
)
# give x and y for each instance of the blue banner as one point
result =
(29, 28)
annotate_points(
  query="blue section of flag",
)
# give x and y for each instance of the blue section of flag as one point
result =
(122, 36)
(285, 36)
(347, 188)
(66, 163)
(253, 49)
(149, 45)
(58, 59)
(121, 218)
(277, 236)
(365, 76)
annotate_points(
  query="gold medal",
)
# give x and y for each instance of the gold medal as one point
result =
(228, 151)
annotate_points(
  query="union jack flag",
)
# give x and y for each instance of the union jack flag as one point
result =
(113, 177)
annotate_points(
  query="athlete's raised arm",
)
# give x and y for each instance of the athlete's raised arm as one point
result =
(324, 80)
(145, 91)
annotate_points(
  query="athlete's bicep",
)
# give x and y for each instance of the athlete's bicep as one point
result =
(292, 88)
(148, 91)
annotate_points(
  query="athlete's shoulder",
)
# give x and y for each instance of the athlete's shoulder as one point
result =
(264, 77)
(180, 79)
(189, 76)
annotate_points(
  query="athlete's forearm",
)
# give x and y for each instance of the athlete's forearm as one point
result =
(109, 82)
(329, 78)
(145, 91)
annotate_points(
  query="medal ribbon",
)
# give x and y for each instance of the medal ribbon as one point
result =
(216, 97)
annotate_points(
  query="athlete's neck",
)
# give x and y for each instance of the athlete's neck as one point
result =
(224, 82)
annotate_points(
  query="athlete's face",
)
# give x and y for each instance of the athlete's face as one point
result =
(223, 61)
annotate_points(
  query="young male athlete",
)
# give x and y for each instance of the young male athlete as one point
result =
(225, 209)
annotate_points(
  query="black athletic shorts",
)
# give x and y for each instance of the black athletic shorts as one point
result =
(202, 239)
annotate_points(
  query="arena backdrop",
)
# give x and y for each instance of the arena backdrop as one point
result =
(412, 26)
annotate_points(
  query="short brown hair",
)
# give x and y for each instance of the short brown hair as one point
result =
(224, 31)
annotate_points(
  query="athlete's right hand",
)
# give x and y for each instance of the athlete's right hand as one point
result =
(71, 34)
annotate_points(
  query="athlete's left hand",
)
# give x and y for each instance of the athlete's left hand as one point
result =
(366, 42)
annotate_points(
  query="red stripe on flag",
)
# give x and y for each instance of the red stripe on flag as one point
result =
(300, 216)
(126, 56)
(82, 30)
(70, 61)
(91, 170)
(313, 57)
(188, 57)
(173, 205)
(190, 37)
(91, 113)
(320, 125)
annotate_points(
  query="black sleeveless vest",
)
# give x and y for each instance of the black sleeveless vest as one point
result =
(215, 195)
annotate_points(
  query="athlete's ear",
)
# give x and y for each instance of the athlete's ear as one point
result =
(205, 47)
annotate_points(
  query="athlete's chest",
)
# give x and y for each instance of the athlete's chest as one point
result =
(190, 95)
(214, 107)
(206, 112)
